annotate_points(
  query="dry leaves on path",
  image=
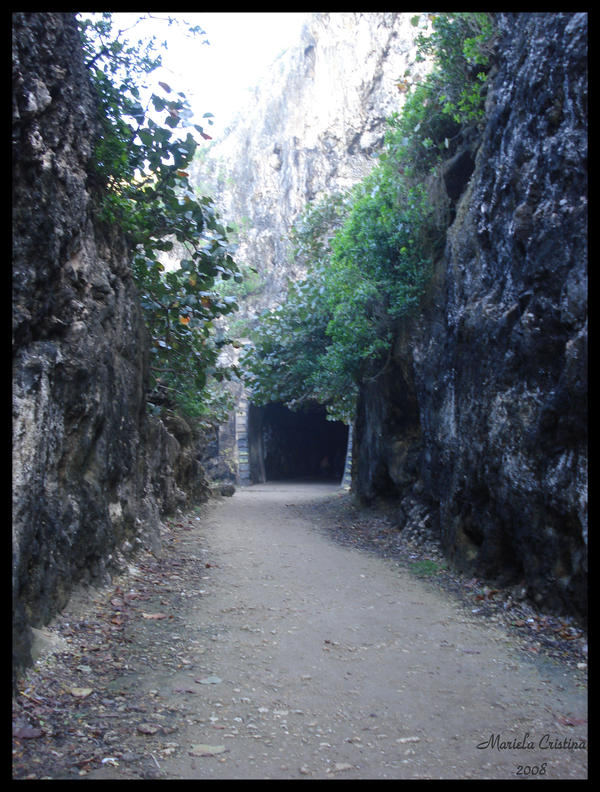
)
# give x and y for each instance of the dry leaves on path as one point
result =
(79, 709)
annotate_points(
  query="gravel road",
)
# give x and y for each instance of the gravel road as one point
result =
(264, 650)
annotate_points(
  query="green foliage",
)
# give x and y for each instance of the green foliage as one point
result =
(369, 253)
(251, 282)
(453, 94)
(292, 358)
(313, 231)
(383, 248)
(280, 367)
(427, 567)
(139, 167)
(461, 45)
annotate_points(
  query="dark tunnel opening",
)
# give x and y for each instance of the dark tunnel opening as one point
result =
(302, 446)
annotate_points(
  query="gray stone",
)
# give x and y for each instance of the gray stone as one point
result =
(45, 642)
(91, 472)
(310, 127)
(486, 404)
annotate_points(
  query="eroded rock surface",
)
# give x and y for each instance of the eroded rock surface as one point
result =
(85, 486)
(312, 127)
(484, 414)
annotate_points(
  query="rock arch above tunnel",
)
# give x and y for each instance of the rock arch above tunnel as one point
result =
(303, 445)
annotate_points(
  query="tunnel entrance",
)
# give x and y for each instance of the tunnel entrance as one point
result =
(286, 445)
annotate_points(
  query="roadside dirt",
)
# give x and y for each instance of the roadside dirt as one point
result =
(259, 646)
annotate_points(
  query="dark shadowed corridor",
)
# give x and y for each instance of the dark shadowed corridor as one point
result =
(286, 445)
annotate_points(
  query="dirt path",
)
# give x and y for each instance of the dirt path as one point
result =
(277, 653)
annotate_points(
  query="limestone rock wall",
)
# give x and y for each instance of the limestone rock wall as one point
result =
(311, 128)
(91, 473)
(484, 415)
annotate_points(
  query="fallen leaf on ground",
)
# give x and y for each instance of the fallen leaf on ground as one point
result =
(207, 750)
(28, 732)
(154, 616)
(339, 767)
(80, 692)
(147, 728)
(568, 721)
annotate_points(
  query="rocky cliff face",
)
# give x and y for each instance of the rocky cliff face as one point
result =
(91, 473)
(478, 429)
(312, 128)
(483, 417)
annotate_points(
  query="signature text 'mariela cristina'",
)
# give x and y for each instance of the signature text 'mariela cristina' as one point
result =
(545, 743)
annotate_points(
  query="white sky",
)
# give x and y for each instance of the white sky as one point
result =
(215, 77)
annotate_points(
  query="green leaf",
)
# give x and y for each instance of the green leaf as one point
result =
(158, 102)
(147, 192)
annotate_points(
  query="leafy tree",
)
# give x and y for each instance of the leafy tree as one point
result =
(145, 144)
(286, 361)
(369, 253)
(284, 337)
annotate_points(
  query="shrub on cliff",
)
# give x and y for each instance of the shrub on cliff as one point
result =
(450, 98)
(291, 358)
